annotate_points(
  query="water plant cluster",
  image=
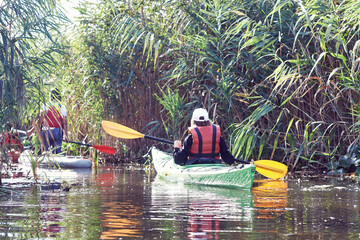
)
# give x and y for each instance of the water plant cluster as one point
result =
(280, 77)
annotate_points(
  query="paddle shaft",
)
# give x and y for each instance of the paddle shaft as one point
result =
(242, 161)
(85, 144)
(101, 148)
(158, 139)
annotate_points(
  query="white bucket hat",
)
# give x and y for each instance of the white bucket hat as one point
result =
(200, 115)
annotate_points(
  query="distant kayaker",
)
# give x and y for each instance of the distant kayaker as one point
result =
(204, 143)
(53, 123)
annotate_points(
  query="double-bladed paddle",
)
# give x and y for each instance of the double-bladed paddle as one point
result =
(120, 131)
(101, 148)
(268, 168)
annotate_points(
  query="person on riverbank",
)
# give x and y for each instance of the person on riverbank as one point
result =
(53, 123)
(204, 143)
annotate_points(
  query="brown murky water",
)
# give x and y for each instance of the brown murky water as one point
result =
(126, 203)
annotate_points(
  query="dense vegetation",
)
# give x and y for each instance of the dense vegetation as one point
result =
(28, 42)
(280, 77)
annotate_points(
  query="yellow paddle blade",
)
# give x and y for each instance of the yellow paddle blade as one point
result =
(120, 131)
(271, 169)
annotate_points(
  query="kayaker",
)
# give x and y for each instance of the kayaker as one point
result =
(54, 123)
(204, 143)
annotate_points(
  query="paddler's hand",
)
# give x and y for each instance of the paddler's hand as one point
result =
(177, 144)
(29, 132)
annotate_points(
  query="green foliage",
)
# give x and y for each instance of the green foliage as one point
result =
(246, 135)
(73, 149)
(26, 50)
(280, 77)
(282, 74)
(27, 45)
(349, 163)
(34, 162)
(177, 112)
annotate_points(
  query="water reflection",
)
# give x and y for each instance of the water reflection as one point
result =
(38, 211)
(43, 215)
(121, 219)
(122, 203)
(270, 198)
(207, 211)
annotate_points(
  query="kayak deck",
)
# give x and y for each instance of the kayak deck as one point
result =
(45, 160)
(240, 176)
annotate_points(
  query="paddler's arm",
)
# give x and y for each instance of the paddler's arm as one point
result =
(226, 155)
(242, 161)
(181, 154)
(39, 124)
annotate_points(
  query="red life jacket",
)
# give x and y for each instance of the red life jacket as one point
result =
(11, 140)
(13, 145)
(206, 142)
(54, 118)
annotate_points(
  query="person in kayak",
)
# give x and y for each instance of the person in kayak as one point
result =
(204, 143)
(54, 123)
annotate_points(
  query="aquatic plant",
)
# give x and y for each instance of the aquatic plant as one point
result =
(34, 165)
(349, 163)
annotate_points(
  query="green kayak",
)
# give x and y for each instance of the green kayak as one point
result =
(240, 176)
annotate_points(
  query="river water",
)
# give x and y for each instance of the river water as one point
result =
(128, 202)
